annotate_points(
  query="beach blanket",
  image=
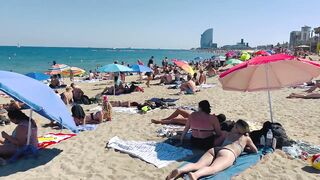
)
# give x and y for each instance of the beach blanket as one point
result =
(86, 81)
(52, 138)
(164, 99)
(300, 147)
(157, 153)
(242, 163)
(87, 127)
(128, 110)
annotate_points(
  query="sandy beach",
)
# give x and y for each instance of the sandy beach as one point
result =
(85, 156)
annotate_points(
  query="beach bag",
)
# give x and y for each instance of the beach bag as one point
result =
(278, 132)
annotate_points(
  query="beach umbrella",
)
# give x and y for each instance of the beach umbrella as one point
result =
(183, 65)
(262, 53)
(268, 73)
(38, 76)
(245, 56)
(57, 69)
(140, 68)
(75, 71)
(234, 61)
(38, 97)
(115, 68)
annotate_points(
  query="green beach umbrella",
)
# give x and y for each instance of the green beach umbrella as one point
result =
(234, 61)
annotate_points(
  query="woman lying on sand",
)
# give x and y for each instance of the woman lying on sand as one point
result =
(11, 143)
(219, 158)
(310, 95)
(175, 119)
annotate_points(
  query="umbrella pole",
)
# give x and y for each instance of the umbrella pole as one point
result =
(269, 95)
(29, 128)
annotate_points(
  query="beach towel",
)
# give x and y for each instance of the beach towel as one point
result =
(169, 130)
(87, 127)
(157, 153)
(52, 138)
(164, 99)
(206, 86)
(242, 163)
(128, 110)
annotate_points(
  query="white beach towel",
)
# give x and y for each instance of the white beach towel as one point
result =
(129, 110)
(206, 86)
(157, 153)
(87, 127)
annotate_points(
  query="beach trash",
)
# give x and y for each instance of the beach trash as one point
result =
(316, 161)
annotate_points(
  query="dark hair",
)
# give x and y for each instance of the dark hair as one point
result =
(195, 75)
(77, 111)
(205, 106)
(221, 118)
(244, 125)
(189, 77)
(18, 115)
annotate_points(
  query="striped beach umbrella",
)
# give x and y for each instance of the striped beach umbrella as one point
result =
(57, 69)
(75, 71)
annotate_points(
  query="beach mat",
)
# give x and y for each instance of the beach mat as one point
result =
(242, 163)
(52, 138)
(157, 153)
(87, 127)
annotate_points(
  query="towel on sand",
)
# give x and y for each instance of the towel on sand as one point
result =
(52, 138)
(129, 110)
(87, 127)
(157, 153)
(206, 86)
(242, 163)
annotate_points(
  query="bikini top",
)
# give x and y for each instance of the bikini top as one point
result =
(228, 142)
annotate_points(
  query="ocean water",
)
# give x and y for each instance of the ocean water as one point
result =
(39, 59)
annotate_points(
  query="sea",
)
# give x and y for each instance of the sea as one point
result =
(39, 59)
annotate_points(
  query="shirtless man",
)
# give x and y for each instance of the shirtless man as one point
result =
(189, 87)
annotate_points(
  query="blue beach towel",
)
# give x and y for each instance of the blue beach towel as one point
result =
(243, 162)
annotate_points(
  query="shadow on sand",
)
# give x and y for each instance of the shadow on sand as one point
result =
(310, 169)
(24, 164)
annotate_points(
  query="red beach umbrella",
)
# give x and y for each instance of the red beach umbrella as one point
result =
(268, 73)
(262, 53)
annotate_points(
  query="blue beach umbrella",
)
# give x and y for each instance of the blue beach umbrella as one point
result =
(38, 76)
(37, 96)
(115, 68)
(140, 68)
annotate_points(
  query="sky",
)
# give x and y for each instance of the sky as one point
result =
(171, 24)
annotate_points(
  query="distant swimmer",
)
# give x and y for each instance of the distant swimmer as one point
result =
(54, 63)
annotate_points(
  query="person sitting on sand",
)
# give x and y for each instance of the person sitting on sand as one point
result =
(54, 82)
(188, 87)
(166, 78)
(202, 78)
(18, 139)
(206, 131)
(219, 158)
(93, 118)
(67, 96)
(175, 119)
(194, 79)
(77, 93)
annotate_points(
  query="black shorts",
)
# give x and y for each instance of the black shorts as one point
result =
(203, 144)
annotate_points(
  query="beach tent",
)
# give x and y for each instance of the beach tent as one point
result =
(38, 76)
(268, 73)
(38, 97)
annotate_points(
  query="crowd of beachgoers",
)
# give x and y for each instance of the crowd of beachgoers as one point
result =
(221, 141)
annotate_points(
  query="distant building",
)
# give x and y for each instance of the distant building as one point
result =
(300, 37)
(239, 46)
(206, 41)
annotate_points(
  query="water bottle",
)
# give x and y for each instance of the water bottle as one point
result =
(269, 138)
(262, 141)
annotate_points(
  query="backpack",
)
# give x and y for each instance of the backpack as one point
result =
(278, 132)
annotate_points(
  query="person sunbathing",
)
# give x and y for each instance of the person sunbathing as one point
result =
(11, 143)
(205, 127)
(175, 118)
(219, 158)
(188, 87)
(304, 96)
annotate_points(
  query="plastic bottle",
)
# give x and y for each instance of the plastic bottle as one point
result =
(262, 140)
(269, 138)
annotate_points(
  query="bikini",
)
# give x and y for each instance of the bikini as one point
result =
(228, 142)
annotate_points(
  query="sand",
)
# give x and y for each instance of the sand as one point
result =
(85, 156)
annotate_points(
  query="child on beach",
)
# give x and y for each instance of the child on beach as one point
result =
(219, 158)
